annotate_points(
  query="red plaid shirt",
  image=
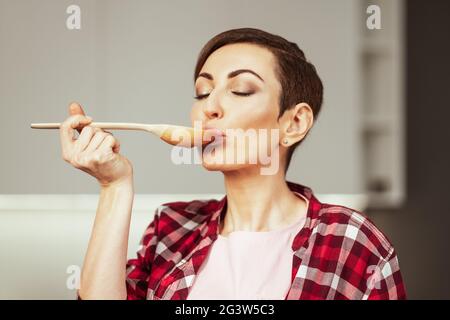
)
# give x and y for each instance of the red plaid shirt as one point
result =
(338, 254)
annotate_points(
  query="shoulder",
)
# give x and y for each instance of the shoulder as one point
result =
(353, 230)
(346, 243)
(187, 209)
(185, 215)
(174, 222)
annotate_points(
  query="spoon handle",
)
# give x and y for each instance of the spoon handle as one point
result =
(101, 125)
(172, 134)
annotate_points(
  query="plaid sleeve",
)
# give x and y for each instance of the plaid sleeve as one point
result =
(138, 269)
(386, 281)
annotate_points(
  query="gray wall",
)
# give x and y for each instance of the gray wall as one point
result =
(133, 61)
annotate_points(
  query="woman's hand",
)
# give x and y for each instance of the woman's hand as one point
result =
(95, 151)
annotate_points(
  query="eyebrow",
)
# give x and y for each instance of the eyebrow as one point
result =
(232, 74)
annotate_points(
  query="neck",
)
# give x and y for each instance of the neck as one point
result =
(258, 202)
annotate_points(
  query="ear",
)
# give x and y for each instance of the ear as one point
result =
(295, 123)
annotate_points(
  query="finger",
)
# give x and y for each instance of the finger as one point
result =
(96, 140)
(116, 147)
(67, 129)
(76, 109)
(83, 140)
(108, 144)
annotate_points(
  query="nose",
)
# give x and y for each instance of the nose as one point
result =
(212, 108)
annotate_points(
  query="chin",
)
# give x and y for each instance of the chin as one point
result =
(215, 159)
(221, 166)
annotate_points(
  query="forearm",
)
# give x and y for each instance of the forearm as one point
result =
(104, 271)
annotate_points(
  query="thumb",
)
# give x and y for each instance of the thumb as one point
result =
(75, 109)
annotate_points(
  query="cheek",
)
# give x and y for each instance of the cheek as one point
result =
(195, 114)
(260, 112)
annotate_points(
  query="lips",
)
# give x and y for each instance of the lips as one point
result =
(214, 131)
(217, 135)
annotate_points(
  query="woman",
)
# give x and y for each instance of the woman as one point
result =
(267, 238)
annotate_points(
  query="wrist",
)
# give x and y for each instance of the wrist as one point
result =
(126, 182)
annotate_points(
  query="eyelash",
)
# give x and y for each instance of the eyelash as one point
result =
(241, 94)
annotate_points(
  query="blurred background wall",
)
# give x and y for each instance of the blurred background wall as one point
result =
(134, 61)
(377, 146)
(420, 228)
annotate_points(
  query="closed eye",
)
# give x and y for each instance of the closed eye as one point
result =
(241, 94)
(201, 96)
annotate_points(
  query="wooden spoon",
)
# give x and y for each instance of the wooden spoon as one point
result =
(172, 134)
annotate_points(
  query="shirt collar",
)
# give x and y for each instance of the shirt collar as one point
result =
(218, 210)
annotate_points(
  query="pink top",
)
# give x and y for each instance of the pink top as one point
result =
(248, 265)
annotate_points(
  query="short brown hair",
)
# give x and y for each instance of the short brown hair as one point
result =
(298, 77)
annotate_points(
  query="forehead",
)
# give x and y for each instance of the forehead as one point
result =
(241, 56)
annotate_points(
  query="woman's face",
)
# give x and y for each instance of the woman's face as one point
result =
(237, 89)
